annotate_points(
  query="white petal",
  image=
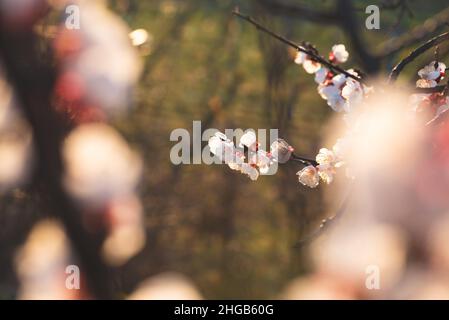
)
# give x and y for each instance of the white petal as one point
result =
(311, 66)
(340, 53)
(300, 57)
(320, 75)
(308, 176)
(248, 139)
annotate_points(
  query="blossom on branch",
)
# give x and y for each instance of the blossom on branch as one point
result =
(338, 54)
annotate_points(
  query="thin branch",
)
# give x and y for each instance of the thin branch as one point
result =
(305, 161)
(351, 27)
(309, 52)
(415, 53)
(419, 33)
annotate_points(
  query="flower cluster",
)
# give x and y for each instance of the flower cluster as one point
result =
(91, 83)
(258, 161)
(432, 105)
(328, 161)
(341, 92)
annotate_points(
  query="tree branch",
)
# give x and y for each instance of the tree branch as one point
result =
(415, 53)
(349, 24)
(327, 222)
(309, 52)
(419, 33)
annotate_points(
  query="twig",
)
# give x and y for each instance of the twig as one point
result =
(415, 53)
(303, 160)
(309, 52)
(419, 33)
(326, 223)
(350, 25)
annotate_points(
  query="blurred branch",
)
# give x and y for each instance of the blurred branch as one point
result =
(326, 223)
(349, 24)
(299, 11)
(303, 160)
(173, 33)
(417, 34)
(309, 52)
(388, 5)
(33, 83)
(415, 53)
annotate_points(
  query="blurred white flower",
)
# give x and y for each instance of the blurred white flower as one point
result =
(338, 54)
(262, 160)
(222, 148)
(308, 64)
(41, 262)
(122, 243)
(106, 61)
(326, 172)
(332, 94)
(353, 93)
(249, 170)
(15, 155)
(424, 83)
(281, 151)
(433, 71)
(99, 164)
(248, 140)
(326, 157)
(139, 37)
(321, 75)
(166, 286)
(300, 57)
(308, 176)
(311, 66)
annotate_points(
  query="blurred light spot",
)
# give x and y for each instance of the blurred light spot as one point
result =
(99, 164)
(41, 263)
(166, 286)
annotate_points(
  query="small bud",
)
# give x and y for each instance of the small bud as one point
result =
(281, 151)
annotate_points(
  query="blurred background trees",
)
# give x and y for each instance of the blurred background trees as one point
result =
(234, 238)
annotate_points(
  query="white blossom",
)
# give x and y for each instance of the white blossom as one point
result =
(281, 151)
(308, 64)
(308, 176)
(326, 157)
(353, 94)
(250, 170)
(248, 140)
(326, 172)
(432, 71)
(332, 94)
(311, 66)
(300, 57)
(339, 53)
(222, 147)
(424, 83)
(321, 74)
